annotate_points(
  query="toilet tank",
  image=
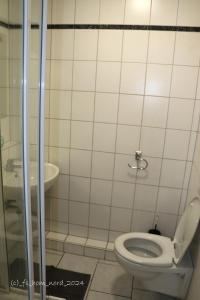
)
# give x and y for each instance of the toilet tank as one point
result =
(186, 229)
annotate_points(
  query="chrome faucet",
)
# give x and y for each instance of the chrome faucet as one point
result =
(12, 164)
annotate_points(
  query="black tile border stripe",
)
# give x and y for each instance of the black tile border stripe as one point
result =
(108, 27)
(124, 27)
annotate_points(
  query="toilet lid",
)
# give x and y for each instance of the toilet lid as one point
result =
(165, 259)
(186, 229)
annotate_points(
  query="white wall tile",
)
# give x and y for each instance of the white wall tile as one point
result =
(155, 111)
(65, 40)
(188, 13)
(145, 197)
(137, 12)
(79, 189)
(127, 139)
(132, 51)
(198, 88)
(47, 75)
(120, 219)
(123, 194)
(104, 137)
(81, 135)
(59, 133)
(106, 12)
(60, 188)
(61, 75)
(184, 82)
(180, 114)
(84, 75)
(169, 200)
(59, 210)
(60, 104)
(99, 216)
(60, 157)
(4, 10)
(130, 109)
(195, 121)
(83, 38)
(63, 11)
(34, 73)
(192, 145)
(78, 213)
(172, 173)
(152, 141)
(164, 13)
(176, 144)
(102, 165)
(167, 224)
(108, 76)
(101, 191)
(122, 172)
(58, 227)
(83, 106)
(87, 11)
(78, 230)
(158, 80)
(133, 78)
(187, 50)
(161, 47)
(152, 173)
(80, 162)
(99, 234)
(110, 45)
(142, 221)
(106, 107)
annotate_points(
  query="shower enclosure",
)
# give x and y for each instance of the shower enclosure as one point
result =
(22, 44)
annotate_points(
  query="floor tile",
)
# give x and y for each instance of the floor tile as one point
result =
(112, 279)
(78, 263)
(109, 262)
(147, 295)
(52, 258)
(102, 296)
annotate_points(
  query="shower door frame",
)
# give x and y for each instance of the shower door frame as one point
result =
(26, 157)
(4, 280)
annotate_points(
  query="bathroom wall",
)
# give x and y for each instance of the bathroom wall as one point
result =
(112, 92)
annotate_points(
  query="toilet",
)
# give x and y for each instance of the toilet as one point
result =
(158, 263)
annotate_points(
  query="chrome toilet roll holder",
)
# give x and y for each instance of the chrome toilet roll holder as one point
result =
(139, 160)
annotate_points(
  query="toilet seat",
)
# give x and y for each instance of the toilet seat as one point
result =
(161, 246)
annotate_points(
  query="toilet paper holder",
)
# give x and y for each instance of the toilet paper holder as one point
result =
(139, 159)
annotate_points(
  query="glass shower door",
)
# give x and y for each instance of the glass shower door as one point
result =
(13, 185)
(21, 184)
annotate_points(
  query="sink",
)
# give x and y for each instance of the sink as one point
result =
(13, 181)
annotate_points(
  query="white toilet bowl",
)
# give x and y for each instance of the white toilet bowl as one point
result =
(157, 263)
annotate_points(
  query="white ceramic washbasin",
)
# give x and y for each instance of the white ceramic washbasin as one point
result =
(13, 181)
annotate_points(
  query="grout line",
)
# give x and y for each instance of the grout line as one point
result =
(93, 126)
(117, 126)
(157, 213)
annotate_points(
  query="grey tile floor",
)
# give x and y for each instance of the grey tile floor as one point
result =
(108, 280)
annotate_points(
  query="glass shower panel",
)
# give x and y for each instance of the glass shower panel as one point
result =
(4, 135)
(12, 183)
(15, 251)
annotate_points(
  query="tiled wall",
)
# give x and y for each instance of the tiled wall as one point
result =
(112, 92)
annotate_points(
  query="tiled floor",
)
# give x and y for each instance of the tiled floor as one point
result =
(108, 280)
